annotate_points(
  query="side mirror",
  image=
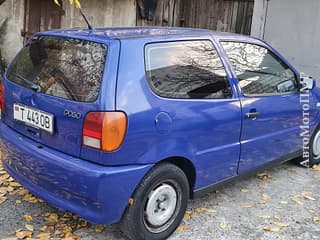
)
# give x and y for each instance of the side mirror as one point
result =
(306, 83)
(285, 86)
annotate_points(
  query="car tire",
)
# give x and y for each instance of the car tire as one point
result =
(314, 148)
(158, 204)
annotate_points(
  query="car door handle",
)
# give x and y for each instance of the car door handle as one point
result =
(252, 114)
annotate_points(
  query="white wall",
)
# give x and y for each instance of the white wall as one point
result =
(11, 24)
(293, 28)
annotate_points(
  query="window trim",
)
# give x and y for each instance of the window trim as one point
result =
(214, 47)
(274, 53)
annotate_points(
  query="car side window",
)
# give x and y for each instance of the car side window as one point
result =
(186, 70)
(260, 71)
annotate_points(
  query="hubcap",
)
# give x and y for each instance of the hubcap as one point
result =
(160, 207)
(316, 146)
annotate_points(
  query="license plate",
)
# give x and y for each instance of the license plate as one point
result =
(33, 117)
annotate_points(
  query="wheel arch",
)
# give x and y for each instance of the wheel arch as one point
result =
(186, 166)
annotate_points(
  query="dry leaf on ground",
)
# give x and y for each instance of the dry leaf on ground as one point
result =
(316, 219)
(28, 218)
(246, 205)
(23, 234)
(272, 229)
(222, 225)
(183, 227)
(207, 210)
(308, 195)
(280, 224)
(244, 190)
(99, 228)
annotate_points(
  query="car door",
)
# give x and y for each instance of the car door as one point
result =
(272, 112)
(187, 106)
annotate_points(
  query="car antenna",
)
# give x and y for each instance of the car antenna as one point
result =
(86, 19)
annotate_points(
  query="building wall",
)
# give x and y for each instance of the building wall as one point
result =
(221, 15)
(11, 24)
(101, 13)
(293, 28)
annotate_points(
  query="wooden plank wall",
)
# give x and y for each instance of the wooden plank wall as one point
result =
(222, 15)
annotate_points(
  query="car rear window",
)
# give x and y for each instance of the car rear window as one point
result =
(61, 67)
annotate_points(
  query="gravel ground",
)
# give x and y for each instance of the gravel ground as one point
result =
(280, 203)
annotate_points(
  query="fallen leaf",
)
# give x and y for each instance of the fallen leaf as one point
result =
(10, 189)
(18, 202)
(99, 228)
(316, 219)
(272, 229)
(265, 216)
(23, 234)
(15, 184)
(4, 177)
(315, 167)
(2, 199)
(222, 225)
(246, 205)
(263, 176)
(244, 190)
(280, 224)
(3, 190)
(277, 217)
(53, 217)
(43, 228)
(265, 197)
(208, 210)
(183, 227)
(296, 200)
(307, 195)
(188, 215)
(262, 202)
(28, 218)
(44, 236)
(29, 227)
(311, 211)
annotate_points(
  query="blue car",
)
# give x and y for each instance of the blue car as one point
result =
(126, 124)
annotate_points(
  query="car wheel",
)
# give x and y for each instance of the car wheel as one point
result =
(158, 205)
(314, 147)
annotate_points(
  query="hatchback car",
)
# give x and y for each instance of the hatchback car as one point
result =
(126, 124)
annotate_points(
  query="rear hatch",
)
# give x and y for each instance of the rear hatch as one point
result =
(50, 86)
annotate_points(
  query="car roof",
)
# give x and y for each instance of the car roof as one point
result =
(103, 34)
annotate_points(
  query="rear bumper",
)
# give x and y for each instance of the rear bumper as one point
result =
(97, 193)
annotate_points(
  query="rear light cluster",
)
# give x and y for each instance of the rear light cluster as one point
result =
(2, 105)
(104, 130)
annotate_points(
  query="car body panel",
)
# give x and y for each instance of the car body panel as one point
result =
(99, 194)
(276, 131)
(212, 134)
(196, 129)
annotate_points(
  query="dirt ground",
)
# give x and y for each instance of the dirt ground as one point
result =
(279, 203)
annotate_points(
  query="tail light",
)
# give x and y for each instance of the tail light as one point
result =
(2, 105)
(104, 130)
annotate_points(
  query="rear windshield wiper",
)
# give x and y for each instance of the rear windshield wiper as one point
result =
(35, 87)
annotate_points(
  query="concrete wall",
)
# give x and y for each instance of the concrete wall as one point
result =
(11, 24)
(101, 13)
(293, 28)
